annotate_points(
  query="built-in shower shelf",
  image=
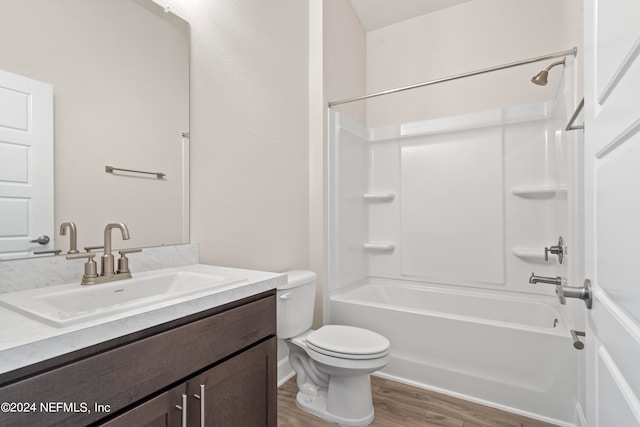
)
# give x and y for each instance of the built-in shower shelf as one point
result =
(539, 191)
(378, 197)
(380, 246)
(529, 253)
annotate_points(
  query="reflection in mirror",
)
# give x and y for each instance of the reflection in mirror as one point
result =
(120, 76)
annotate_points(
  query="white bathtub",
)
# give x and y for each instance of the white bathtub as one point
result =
(501, 349)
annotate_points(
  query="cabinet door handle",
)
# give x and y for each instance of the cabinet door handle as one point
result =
(201, 397)
(183, 408)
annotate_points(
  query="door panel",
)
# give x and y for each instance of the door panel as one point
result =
(617, 34)
(160, 411)
(239, 392)
(26, 165)
(612, 232)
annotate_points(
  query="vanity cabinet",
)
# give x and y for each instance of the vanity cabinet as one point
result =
(220, 363)
(229, 394)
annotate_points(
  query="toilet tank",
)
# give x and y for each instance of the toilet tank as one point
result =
(296, 301)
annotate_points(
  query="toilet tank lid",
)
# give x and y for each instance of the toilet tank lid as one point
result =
(298, 278)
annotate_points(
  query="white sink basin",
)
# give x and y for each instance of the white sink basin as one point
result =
(70, 304)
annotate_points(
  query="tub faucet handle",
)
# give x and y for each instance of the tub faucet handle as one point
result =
(555, 250)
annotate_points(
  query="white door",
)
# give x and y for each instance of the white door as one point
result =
(26, 165)
(612, 171)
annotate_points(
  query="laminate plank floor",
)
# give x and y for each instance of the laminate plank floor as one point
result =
(401, 405)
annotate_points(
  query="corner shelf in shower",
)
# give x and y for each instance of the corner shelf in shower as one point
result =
(539, 191)
(380, 246)
(529, 253)
(378, 197)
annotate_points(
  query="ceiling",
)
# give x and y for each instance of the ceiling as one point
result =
(374, 14)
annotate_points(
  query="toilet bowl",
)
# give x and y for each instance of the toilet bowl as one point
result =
(332, 363)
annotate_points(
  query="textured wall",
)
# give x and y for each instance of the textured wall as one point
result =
(249, 132)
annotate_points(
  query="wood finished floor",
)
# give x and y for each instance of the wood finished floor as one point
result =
(400, 405)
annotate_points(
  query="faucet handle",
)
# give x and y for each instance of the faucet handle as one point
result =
(123, 252)
(123, 261)
(555, 250)
(88, 255)
(93, 248)
(90, 267)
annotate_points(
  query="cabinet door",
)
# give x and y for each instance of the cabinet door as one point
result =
(238, 392)
(161, 411)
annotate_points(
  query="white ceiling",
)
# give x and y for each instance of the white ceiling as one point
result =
(374, 14)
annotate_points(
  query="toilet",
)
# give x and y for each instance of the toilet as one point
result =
(332, 363)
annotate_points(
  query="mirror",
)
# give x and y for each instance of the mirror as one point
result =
(120, 76)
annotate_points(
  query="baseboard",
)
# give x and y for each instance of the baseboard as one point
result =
(285, 372)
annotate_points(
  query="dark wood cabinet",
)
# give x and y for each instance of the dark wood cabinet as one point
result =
(223, 363)
(160, 411)
(237, 392)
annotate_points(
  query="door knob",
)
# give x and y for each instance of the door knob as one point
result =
(43, 240)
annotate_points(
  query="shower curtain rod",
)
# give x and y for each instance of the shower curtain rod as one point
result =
(573, 52)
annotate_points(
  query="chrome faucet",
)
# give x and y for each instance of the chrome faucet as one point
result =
(108, 272)
(541, 279)
(73, 236)
(107, 258)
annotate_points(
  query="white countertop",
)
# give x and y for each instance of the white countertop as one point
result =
(25, 341)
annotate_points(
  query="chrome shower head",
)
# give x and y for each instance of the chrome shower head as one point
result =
(541, 79)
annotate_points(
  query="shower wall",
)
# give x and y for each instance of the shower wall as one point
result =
(469, 200)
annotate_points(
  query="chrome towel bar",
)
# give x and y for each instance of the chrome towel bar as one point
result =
(111, 169)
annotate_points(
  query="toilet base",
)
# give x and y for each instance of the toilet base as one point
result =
(317, 405)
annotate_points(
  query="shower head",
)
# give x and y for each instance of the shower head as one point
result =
(540, 79)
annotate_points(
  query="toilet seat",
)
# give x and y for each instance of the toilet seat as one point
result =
(348, 342)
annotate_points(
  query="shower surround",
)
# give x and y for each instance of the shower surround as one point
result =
(424, 215)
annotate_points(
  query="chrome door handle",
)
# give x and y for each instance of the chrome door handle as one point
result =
(43, 240)
(183, 408)
(201, 397)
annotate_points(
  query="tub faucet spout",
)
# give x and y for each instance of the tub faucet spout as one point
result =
(541, 279)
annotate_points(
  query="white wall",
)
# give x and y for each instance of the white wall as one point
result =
(463, 38)
(345, 58)
(249, 132)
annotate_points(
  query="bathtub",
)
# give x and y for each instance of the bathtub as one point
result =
(505, 350)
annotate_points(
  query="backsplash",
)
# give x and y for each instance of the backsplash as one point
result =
(22, 274)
